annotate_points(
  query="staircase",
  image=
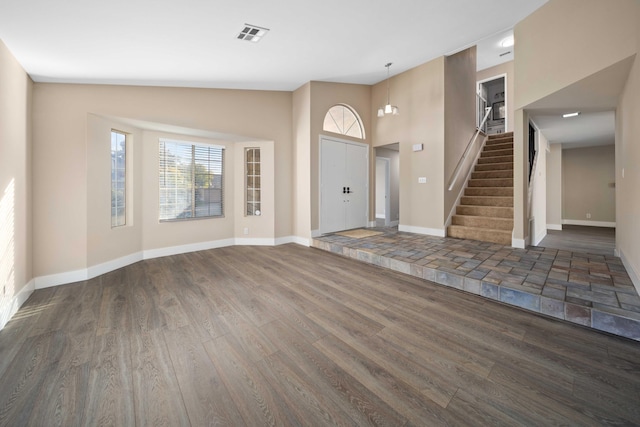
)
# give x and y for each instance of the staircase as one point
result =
(485, 211)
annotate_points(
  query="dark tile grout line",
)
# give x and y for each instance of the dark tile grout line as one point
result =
(509, 275)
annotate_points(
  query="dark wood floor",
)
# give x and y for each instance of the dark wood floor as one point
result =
(290, 335)
(577, 238)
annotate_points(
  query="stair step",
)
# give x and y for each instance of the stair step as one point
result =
(501, 159)
(496, 153)
(507, 173)
(489, 191)
(498, 141)
(493, 147)
(486, 201)
(491, 182)
(502, 237)
(500, 135)
(493, 166)
(487, 211)
(483, 222)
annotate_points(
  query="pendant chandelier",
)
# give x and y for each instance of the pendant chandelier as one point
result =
(388, 109)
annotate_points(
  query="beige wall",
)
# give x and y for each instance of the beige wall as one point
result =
(588, 184)
(301, 192)
(559, 44)
(106, 243)
(323, 96)
(565, 41)
(505, 69)
(460, 121)
(627, 161)
(15, 184)
(539, 192)
(67, 165)
(394, 184)
(554, 187)
(419, 94)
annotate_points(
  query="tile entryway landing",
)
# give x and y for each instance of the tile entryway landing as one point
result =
(591, 290)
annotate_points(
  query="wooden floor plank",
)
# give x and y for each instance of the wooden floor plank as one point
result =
(254, 397)
(110, 401)
(205, 396)
(332, 381)
(154, 382)
(290, 335)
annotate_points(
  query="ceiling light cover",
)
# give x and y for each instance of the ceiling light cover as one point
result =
(252, 33)
(507, 41)
(388, 109)
(574, 114)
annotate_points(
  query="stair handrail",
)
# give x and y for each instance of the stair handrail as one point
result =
(458, 168)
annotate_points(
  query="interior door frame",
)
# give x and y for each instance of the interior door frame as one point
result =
(387, 188)
(506, 95)
(344, 141)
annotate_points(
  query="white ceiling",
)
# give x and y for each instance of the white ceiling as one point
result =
(193, 43)
(595, 96)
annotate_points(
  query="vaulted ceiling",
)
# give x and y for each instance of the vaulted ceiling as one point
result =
(193, 43)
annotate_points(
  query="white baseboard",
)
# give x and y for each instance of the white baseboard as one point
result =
(380, 216)
(11, 307)
(247, 241)
(589, 223)
(115, 264)
(518, 243)
(182, 249)
(554, 226)
(633, 274)
(394, 223)
(371, 224)
(537, 239)
(58, 279)
(293, 239)
(422, 230)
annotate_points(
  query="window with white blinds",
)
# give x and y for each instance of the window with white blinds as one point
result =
(191, 180)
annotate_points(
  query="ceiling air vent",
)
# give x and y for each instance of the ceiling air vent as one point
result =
(251, 33)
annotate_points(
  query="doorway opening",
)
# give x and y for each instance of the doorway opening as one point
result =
(492, 93)
(387, 185)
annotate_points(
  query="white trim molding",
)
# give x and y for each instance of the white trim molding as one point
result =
(183, 249)
(519, 243)
(11, 307)
(303, 241)
(633, 274)
(437, 232)
(554, 227)
(589, 223)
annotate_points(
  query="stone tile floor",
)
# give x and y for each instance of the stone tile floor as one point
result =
(588, 289)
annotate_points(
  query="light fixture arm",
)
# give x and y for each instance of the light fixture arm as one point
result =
(388, 98)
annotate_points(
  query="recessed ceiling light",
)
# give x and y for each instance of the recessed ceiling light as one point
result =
(252, 33)
(576, 113)
(506, 42)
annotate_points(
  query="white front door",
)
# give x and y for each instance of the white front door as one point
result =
(344, 181)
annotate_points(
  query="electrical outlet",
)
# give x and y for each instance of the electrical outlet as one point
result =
(246, 230)
(588, 215)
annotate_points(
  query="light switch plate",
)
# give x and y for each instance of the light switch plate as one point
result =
(422, 180)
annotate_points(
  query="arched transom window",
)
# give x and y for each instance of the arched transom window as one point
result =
(344, 120)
